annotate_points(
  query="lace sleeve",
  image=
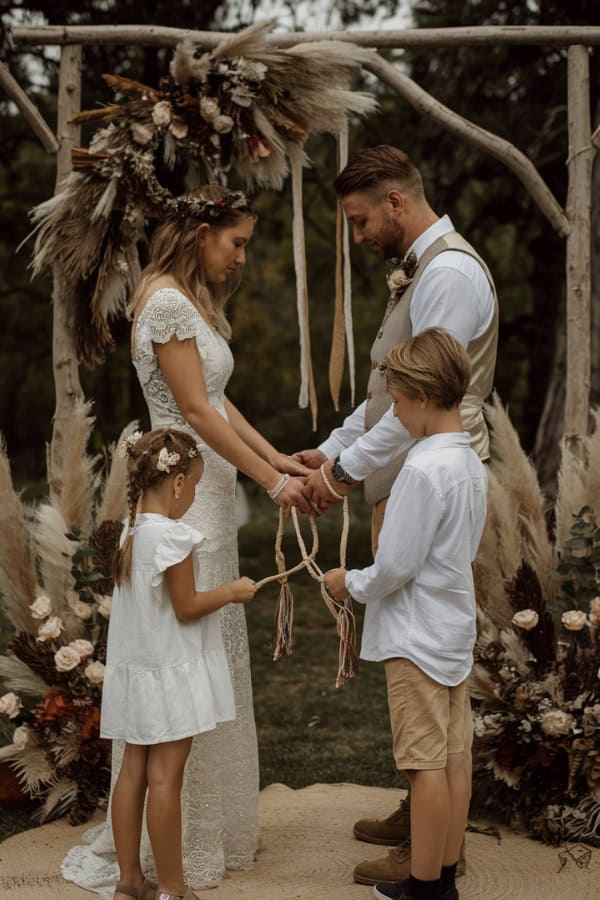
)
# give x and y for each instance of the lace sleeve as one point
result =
(168, 313)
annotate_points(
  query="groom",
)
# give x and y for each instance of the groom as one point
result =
(441, 283)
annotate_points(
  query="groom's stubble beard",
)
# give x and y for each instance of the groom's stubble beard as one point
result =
(391, 238)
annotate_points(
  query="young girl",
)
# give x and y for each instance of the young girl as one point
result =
(167, 676)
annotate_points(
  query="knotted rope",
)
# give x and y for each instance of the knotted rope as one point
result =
(341, 610)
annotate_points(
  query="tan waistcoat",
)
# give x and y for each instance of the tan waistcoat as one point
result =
(397, 327)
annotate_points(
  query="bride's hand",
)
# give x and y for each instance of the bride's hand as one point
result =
(291, 495)
(289, 465)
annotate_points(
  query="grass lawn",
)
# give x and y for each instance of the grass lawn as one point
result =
(308, 731)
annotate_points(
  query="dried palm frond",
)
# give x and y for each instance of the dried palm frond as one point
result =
(75, 476)
(113, 504)
(59, 798)
(18, 581)
(516, 652)
(54, 552)
(32, 767)
(482, 686)
(20, 678)
(518, 477)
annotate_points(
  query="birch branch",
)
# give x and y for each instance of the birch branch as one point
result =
(473, 134)
(150, 35)
(30, 112)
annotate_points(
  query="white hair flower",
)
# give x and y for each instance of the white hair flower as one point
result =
(166, 460)
(129, 443)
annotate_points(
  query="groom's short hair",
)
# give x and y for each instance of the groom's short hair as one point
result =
(376, 168)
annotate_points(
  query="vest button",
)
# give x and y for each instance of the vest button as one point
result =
(380, 335)
(369, 395)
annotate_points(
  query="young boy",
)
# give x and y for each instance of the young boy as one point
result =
(420, 604)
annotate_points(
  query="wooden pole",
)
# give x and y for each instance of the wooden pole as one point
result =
(579, 199)
(64, 354)
(477, 36)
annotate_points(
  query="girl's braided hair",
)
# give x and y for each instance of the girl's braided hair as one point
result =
(151, 458)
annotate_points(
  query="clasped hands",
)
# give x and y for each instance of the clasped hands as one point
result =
(307, 489)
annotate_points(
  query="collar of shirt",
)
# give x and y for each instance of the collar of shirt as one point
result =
(437, 230)
(440, 441)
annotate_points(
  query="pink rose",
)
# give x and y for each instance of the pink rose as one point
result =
(94, 672)
(525, 619)
(66, 659)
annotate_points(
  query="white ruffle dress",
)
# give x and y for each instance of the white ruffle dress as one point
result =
(219, 799)
(164, 680)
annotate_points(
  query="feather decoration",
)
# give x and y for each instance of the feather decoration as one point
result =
(515, 651)
(20, 678)
(18, 580)
(482, 686)
(113, 504)
(54, 552)
(58, 799)
(75, 474)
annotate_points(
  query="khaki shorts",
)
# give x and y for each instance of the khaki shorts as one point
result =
(428, 719)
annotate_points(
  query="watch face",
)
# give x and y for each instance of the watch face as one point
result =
(338, 472)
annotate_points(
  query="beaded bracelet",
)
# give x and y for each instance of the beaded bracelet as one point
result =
(274, 492)
(329, 485)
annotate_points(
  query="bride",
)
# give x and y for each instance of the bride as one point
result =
(181, 354)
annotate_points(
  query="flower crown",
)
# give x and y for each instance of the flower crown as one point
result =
(211, 210)
(165, 461)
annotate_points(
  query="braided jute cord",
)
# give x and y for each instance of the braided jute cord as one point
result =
(341, 610)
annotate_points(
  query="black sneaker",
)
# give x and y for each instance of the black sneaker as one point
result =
(400, 890)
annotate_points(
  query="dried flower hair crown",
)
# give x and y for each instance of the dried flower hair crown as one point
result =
(209, 210)
(166, 460)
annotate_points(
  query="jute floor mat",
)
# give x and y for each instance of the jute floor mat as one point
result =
(307, 853)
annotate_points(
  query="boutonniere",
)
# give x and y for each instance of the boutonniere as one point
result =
(400, 277)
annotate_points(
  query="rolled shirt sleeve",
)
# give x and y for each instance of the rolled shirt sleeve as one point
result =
(376, 448)
(351, 429)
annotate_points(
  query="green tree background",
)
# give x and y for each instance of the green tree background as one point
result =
(516, 92)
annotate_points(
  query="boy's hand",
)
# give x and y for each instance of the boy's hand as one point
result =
(335, 582)
(243, 590)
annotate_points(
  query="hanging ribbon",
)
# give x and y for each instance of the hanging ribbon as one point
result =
(308, 394)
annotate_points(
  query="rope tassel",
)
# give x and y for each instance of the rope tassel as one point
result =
(284, 621)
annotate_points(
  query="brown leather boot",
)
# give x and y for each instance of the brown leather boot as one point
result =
(390, 831)
(394, 867)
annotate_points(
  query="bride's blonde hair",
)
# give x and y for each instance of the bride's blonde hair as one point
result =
(175, 251)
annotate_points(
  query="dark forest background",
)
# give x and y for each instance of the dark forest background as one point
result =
(517, 92)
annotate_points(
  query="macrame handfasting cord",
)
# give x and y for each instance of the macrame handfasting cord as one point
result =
(341, 610)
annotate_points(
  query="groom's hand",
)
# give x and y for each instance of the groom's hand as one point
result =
(312, 459)
(319, 494)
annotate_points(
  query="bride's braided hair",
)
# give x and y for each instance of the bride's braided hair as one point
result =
(151, 458)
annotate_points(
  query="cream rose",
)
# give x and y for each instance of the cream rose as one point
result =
(162, 113)
(398, 280)
(104, 605)
(10, 705)
(209, 108)
(66, 659)
(142, 134)
(525, 619)
(83, 611)
(556, 722)
(21, 737)
(222, 124)
(41, 607)
(574, 619)
(50, 629)
(94, 672)
(179, 128)
(82, 647)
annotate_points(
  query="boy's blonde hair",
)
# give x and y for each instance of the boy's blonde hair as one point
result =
(433, 363)
(144, 471)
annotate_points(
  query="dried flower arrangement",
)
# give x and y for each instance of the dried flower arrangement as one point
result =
(55, 579)
(536, 679)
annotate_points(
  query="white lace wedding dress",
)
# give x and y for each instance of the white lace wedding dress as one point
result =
(220, 792)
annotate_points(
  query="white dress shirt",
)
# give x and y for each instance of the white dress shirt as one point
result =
(453, 293)
(419, 591)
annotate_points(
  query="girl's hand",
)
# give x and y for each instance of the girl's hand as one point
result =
(335, 582)
(291, 495)
(311, 458)
(289, 465)
(242, 590)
